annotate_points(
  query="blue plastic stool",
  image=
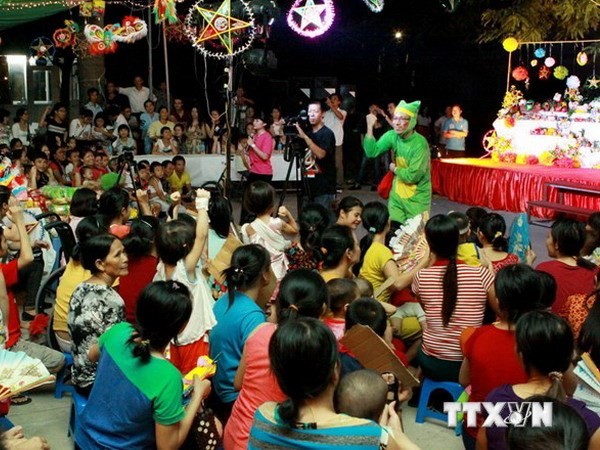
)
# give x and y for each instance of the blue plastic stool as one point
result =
(427, 387)
(78, 403)
(5, 423)
(60, 386)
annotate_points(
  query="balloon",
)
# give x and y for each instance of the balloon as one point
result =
(510, 44)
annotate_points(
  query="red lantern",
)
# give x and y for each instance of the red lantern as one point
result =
(520, 73)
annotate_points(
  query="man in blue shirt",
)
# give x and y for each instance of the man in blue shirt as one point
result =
(455, 131)
(145, 120)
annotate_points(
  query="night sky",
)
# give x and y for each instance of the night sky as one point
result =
(437, 60)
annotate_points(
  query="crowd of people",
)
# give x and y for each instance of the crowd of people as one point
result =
(139, 307)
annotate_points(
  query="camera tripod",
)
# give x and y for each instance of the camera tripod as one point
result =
(295, 156)
(125, 163)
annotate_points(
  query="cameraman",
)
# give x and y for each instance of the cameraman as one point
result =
(319, 162)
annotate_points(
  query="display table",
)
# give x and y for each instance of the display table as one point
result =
(203, 168)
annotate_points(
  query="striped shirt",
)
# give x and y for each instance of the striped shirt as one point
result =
(443, 342)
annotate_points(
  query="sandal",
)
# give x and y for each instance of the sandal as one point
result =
(18, 400)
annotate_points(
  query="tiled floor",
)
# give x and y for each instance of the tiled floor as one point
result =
(48, 417)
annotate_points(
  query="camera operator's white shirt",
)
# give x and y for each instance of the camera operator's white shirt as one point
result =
(336, 125)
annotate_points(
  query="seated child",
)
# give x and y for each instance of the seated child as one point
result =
(259, 199)
(156, 192)
(364, 287)
(369, 312)
(342, 292)
(73, 163)
(361, 394)
(40, 174)
(179, 178)
(467, 250)
(100, 164)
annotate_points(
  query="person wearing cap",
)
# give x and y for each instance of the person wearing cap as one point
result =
(411, 189)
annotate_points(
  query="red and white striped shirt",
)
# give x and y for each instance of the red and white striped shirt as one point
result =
(443, 342)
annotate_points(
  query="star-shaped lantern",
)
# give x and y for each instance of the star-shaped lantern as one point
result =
(374, 5)
(311, 18)
(544, 72)
(593, 82)
(217, 32)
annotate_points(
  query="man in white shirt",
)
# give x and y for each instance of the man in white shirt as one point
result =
(81, 128)
(334, 120)
(137, 95)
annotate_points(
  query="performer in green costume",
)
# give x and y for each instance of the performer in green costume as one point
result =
(411, 190)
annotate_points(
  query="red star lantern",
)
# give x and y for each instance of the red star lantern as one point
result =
(544, 73)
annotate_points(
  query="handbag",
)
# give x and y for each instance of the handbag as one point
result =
(206, 432)
(385, 185)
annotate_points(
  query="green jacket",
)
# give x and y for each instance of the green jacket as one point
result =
(411, 191)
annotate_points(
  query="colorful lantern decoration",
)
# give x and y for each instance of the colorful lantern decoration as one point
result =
(216, 32)
(67, 36)
(176, 32)
(561, 72)
(42, 49)
(573, 82)
(311, 18)
(164, 10)
(520, 73)
(593, 82)
(374, 5)
(582, 58)
(534, 62)
(539, 52)
(544, 73)
(510, 44)
(132, 29)
(549, 61)
(101, 40)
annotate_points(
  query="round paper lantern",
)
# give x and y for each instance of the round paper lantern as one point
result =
(582, 58)
(520, 73)
(510, 44)
(550, 61)
(534, 62)
(561, 72)
(539, 52)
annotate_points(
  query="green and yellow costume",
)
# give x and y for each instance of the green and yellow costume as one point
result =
(411, 190)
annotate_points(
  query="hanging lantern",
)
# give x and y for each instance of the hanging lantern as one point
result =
(534, 62)
(582, 58)
(561, 72)
(510, 44)
(550, 61)
(544, 73)
(520, 73)
(539, 52)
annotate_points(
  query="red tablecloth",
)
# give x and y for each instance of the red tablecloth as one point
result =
(508, 187)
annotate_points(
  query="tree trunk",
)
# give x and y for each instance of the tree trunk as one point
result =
(90, 69)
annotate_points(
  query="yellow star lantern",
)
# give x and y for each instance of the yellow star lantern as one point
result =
(218, 33)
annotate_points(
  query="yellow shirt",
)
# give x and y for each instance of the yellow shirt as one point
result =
(177, 183)
(375, 259)
(155, 127)
(73, 276)
(467, 252)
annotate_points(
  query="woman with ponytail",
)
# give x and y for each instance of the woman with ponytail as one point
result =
(545, 346)
(137, 401)
(250, 282)
(306, 253)
(140, 246)
(304, 358)
(453, 295)
(302, 293)
(573, 274)
(376, 263)
(341, 252)
(490, 233)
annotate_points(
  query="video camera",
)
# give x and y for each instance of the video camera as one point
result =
(289, 129)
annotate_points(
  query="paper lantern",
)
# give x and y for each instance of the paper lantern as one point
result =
(544, 73)
(561, 72)
(539, 52)
(573, 82)
(582, 58)
(520, 73)
(534, 62)
(510, 44)
(550, 61)
(311, 18)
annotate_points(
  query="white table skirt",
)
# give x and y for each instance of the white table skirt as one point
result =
(203, 168)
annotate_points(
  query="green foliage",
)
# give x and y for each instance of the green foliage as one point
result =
(539, 20)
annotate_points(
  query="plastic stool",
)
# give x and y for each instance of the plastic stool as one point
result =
(60, 386)
(78, 403)
(5, 423)
(427, 387)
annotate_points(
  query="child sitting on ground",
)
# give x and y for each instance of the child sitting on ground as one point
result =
(362, 394)
(259, 199)
(467, 250)
(342, 292)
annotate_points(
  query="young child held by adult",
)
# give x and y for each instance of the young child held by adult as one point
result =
(179, 249)
(467, 250)
(259, 199)
(342, 292)
(362, 394)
